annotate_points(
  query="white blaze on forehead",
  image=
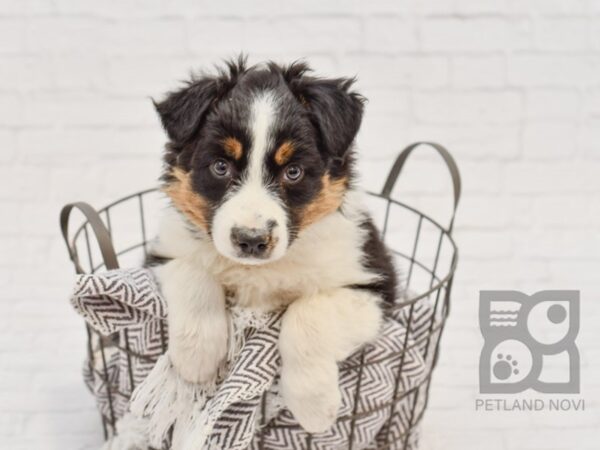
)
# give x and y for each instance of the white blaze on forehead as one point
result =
(261, 122)
(253, 205)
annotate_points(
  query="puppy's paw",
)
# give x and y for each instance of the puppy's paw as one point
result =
(312, 394)
(198, 356)
(197, 366)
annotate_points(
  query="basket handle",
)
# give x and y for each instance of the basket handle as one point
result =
(448, 160)
(100, 232)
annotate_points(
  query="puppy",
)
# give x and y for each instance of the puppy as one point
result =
(259, 173)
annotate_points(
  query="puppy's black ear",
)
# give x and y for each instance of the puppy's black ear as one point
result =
(182, 112)
(334, 109)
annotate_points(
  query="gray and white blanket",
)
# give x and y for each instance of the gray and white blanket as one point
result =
(243, 409)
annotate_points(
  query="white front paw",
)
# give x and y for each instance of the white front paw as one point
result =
(197, 319)
(198, 361)
(312, 394)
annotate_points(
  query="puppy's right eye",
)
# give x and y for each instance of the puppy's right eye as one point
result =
(220, 168)
(293, 173)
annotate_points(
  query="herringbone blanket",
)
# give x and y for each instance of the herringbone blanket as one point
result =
(244, 409)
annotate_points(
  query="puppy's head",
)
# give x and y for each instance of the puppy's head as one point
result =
(257, 154)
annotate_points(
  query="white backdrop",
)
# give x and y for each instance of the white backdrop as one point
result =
(511, 87)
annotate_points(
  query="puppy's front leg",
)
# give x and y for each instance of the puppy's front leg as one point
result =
(316, 333)
(197, 319)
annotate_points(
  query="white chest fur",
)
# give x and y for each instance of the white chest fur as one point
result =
(327, 255)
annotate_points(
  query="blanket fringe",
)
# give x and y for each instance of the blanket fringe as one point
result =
(165, 399)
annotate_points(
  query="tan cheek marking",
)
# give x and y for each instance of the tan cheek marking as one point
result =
(186, 199)
(327, 201)
(233, 148)
(284, 153)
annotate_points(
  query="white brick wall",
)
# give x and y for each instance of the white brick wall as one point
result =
(512, 87)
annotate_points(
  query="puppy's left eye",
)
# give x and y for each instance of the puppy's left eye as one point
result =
(293, 173)
(220, 168)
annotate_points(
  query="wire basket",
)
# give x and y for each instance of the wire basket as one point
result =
(426, 250)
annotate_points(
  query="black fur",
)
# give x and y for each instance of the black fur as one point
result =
(335, 111)
(378, 260)
(183, 111)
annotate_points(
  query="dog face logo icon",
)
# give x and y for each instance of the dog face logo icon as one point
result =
(529, 342)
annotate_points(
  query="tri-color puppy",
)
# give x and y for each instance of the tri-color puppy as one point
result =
(259, 171)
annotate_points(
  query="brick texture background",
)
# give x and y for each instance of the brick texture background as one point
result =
(512, 87)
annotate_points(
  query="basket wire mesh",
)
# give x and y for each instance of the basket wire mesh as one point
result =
(122, 229)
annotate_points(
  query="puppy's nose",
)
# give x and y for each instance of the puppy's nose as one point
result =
(251, 241)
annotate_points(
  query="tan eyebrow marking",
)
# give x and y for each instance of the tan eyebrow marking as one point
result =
(284, 153)
(233, 148)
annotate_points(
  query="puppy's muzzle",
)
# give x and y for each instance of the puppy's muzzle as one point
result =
(252, 242)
